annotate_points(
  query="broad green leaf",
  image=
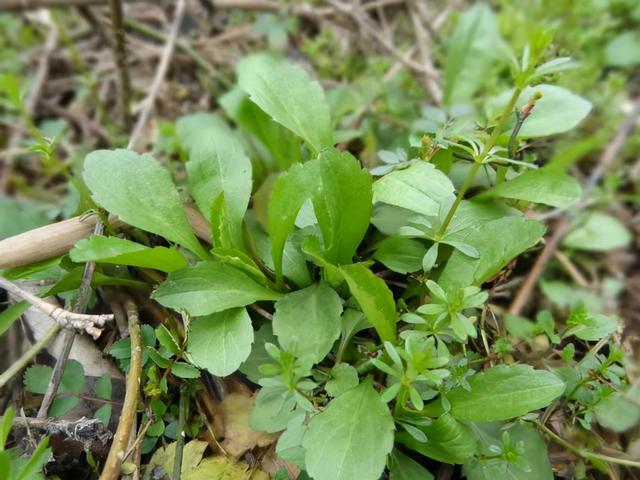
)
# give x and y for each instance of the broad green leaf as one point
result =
(307, 322)
(104, 413)
(592, 327)
(597, 232)
(289, 446)
(286, 93)
(497, 242)
(621, 411)
(289, 192)
(351, 438)
(566, 295)
(119, 251)
(548, 186)
(342, 204)
(405, 468)
(517, 389)
(375, 299)
(558, 111)
(470, 53)
(210, 287)
(218, 168)
(532, 464)
(184, 370)
(280, 143)
(273, 410)
(18, 216)
(420, 188)
(623, 50)
(189, 127)
(222, 341)
(448, 440)
(140, 192)
(400, 254)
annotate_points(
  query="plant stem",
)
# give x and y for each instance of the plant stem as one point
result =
(22, 362)
(479, 160)
(585, 453)
(113, 464)
(182, 417)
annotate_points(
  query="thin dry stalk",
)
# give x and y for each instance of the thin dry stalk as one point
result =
(113, 464)
(120, 53)
(523, 294)
(63, 317)
(149, 102)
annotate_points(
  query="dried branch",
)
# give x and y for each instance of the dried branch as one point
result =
(523, 294)
(58, 238)
(63, 317)
(422, 40)
(120, 52)
(365, 25)
(87, 431)
(113, 464)
(150, 100)
(80, 306)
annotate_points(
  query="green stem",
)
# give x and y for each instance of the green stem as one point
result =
(585, 453)
(479, 160)
(24, 360)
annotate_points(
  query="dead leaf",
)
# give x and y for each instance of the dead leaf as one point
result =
(221, 468)
(238, 436)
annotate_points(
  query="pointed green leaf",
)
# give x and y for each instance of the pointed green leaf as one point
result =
(517, 389)
(351, 438)
(405, 468)
(400, 254)
(420, 188)
(210, 287)
(471, 51)
(375, 299)
(548, 186)
(140, 192)
(119, 251)
(289, 96)
(448, 440)
(218, 166)
(342, 204)
(497, 242)
(222, 341)
(557, 111)
(282, 145)
(289, 192)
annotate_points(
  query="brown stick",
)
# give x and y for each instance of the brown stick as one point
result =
(522, 297)
(58, 238)
(161, 72)
(120, 53)
(113, 464)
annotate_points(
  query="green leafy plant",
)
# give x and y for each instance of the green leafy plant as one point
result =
(357, 297)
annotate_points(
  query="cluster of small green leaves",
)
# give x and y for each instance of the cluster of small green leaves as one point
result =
(71, 390)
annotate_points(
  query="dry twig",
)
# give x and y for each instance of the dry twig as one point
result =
(150, 100)
(120, 52)
(523, 294)
(113, 464)
(63, 317)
